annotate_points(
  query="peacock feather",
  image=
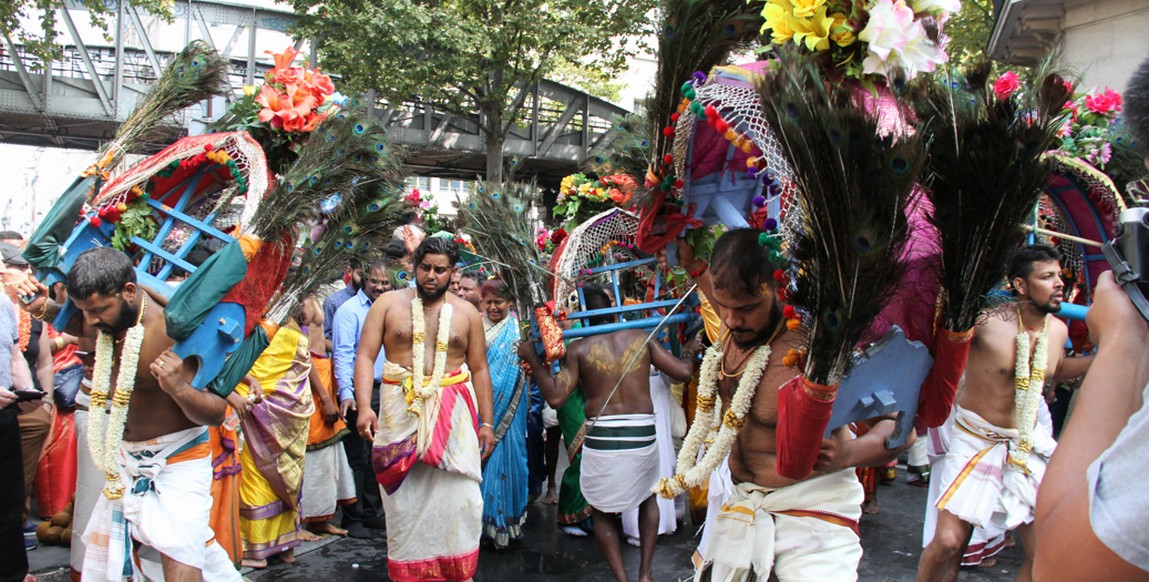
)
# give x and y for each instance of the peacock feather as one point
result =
(630, 146)
(198, 72)
(984, 175)
(854, 185)
(498, 220)
(347, 185)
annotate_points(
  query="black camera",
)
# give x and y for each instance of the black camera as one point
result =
(1128, 254)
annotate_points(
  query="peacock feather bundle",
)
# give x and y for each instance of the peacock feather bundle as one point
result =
(984, 175)
(347, 186)
(854, 184)
(630, 146)
(497, 219)
(198, 72)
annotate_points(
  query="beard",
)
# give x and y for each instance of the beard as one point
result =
(1053, 305)
(432, 295)
(760, 336)
(128, 315)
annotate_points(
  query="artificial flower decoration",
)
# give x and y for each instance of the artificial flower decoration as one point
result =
(282, 113)
(864, 39)
(1006, 85)
(583, 197)
(1091, 127)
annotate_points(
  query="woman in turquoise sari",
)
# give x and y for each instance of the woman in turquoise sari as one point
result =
(505, 475)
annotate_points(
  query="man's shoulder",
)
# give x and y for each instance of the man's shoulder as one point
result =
(461, 306)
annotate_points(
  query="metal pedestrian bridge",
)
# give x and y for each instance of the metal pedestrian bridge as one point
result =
(79, 100)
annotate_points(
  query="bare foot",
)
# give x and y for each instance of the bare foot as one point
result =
(870, 507)
(549, 498)
(647, 578)
(327, 528)
(287, 557)
(987, 563)
(256, 564)
(305, 535)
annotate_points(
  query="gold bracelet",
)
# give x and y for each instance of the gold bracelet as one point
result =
(43, 311)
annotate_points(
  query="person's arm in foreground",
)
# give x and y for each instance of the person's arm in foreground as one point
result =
(1110, 394)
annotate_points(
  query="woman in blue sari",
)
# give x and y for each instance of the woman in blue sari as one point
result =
(505, 475)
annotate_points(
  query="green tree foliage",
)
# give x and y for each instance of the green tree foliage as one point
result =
(469, 55)
(969, 31)
(42, 43)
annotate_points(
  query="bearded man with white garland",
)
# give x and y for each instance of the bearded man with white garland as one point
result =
(771, 525)
(152, 442)
(433, 427)
(998, 451)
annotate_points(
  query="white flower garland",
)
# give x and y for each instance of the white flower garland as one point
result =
(104, 434)
(421, 390)
(692, 471)
(1029, 383)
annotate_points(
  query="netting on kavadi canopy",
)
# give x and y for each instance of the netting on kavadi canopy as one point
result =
(732, 166)
(606, 239)
(197, 190)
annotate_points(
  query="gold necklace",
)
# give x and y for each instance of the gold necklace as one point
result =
(741, 367)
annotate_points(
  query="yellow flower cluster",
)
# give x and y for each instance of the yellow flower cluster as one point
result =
(809, 23)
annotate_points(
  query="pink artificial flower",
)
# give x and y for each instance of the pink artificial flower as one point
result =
(1105, 154)
(272, 101)
(1066, 129)
(1109, 101)
(1006, 85)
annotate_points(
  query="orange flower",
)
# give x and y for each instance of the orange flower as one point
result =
(319, 83)
(272, 101)
(283, 60)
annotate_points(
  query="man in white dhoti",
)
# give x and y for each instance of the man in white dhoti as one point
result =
(434, 422)
(997, 449)
(770, 526)
(154, 457)
(620, 463)
(667, 511)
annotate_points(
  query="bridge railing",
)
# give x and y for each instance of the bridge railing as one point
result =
(97, 84)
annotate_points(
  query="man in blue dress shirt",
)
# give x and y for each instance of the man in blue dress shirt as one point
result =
(354, 277)
(346, 327)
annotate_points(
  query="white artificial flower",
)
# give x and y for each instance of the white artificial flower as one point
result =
(935, 7)
(887, 28)
(916, 54)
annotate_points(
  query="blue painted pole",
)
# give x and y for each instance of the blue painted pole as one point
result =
(647, 323)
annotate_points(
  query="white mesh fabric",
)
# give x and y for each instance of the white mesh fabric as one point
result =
(583, 243)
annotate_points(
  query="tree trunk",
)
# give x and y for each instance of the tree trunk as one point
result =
(494, 140)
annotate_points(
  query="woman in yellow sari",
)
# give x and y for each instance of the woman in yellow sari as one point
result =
(275, 434)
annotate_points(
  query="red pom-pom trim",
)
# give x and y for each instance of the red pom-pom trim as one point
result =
(668, 159)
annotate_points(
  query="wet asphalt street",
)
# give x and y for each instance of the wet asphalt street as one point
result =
(891, 540)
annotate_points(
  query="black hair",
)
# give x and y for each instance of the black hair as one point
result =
(101, 270)
(395, 249)
(597, 298)
(434, 245)
(10, 235)
(354, 263)
(740, 264)
(1136, 106)
(381, 264)
(1020, 264)
(470, 274)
